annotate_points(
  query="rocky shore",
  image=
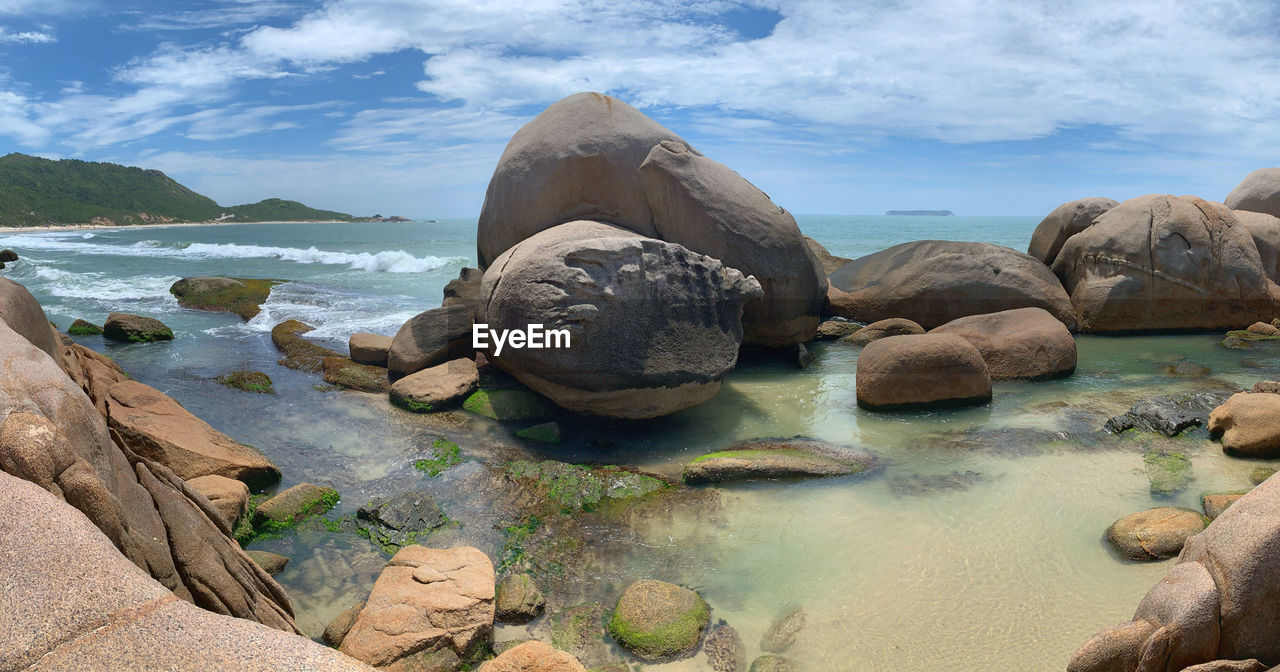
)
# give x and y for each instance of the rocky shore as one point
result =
(664, 271)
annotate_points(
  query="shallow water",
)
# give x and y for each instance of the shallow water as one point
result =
(977, 548)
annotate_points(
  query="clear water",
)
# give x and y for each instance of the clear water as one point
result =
(978, 548)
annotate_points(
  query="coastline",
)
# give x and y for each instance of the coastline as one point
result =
(47, 228)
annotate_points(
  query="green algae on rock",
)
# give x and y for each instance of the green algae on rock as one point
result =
(84, 328)
(1260, 474)
(546, 432)
(398, 521)
(242, 296)
(248, 381)
(656, 620)
(343, 372)
(796, 457)
(771, 663)
(1168, 472)
(130, 328)
(299, 353)
(580, 630)
(292, 506)
(510, 405)
(447, 454)
(580, 488)
(517, 598)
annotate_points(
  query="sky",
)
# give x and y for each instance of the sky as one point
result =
(983, 107)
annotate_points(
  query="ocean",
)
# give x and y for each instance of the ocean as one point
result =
(979, 548)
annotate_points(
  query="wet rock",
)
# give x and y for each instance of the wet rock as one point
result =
(400, 520)
(1024, 343)
(248, 381)
(723, 647)
(430, 338)
(803, 357)
(1263, 329)
(830, 330)
(1248, 425)
(797, 457)
(516, 404)
(159, 429)
(426, 599)
(927, 370)
(338, 628)
(437, 387)
(1186, 370)
(1266, 387)
(272, 563)
(533, 656)
(772, 663)
(343, 372)
(506, 645)
(574, 488)
(1260, 474)
(1170, 415)
(299, 353)
(580, 630)
(228, 496)
(84, 328)
(710, 209)
(1168, 472)
(933, 484)
(1155, 534)
(546, 432)
(7, 256)
(1259, 191)
(518, 599)
(129, 328)
(242, 296)
(782, 632)
(1065, 221)
(894, 326)
(652, 326)
(829, 262)
(932, 282)
(369, 349)
(1161, 262)
(1215, 504)
(655, 620)
(294, 505)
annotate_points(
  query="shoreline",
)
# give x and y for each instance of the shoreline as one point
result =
(48, 228)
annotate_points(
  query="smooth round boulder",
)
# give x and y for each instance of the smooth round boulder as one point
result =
(20, 310)
(830, 263)
(7, 255)
(643, 327)
(429, 338)
(656, 620)
(1025, 343)
(128, 328)
(1259, 191)
(1265, 231)
(227, 495)
(369, 349)
(533, 656)
(1248, 425)
(894, 326)
(434, 388)
(932, 282)
(796, 457)
(1065, 221)
(830, 330)
(578, 159)
(921, 371)
(1165, 263)
(710, 209)
(1154, 534)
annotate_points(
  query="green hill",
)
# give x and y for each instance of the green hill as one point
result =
(36, 191)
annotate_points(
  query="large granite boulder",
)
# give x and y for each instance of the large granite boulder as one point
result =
(578, 159)
(533, 656)
(464, 290)
(830, 263)
(1259, 191)
(919, 371)
(710, 209)
(52, 435)
(1265, 231)
(129, 328)
(893, 326)
(20, 310)
(932, 282)
(430, 338)
(1248, 424)
(1065, 221)
(652, 327)
(72, 603)
(427, 599)
(1021, 343)
(436, 387)
(159, 429)
(1221, 602)
(1159, 263)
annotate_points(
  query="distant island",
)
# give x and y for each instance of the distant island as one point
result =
(39, 192)
(921, 213)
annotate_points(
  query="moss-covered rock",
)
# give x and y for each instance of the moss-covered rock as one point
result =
(242, 296)
(796, 457)
(546, 432)
(580, 488)
(84, 328)
(656, 620)
(517, 598)
(445, 454)
(129, 328)
(1168, 472)
(248, 381)
(1260, 474)
(343, 372)
(398, 521)
(516, 404)
(580, 630)
(299, 353)
(782, 632)
(772, 663)
(294, 505)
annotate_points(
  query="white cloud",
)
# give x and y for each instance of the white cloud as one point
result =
(228, 14)
(25, 37)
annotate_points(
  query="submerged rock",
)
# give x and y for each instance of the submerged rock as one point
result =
(1170, 415)
(580, 630)
(272, 563)
(772, 663)
(723, 647)
(343, 372)
(299, 353)
(135, 329)
(242, 296)
(369, 349)
(1155, 534)
(782, 632)
(933, 484)
(1186, 370)
(894, 326)
(518, 599)
(1168, 472)
(655, 620)
(1065, 221)
(1024, 343)
(533, 656)
(546, 432)
(1260, 474)
(796, 457)
(248, 381)
(1248, 425)
(400, 520)
(927, 370)
(578, 488)
(510, 405)
(294, 505)
(84, 328)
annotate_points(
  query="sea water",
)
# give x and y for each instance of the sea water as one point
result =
(979, 547)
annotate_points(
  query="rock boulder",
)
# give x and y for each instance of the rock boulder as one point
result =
(1065, 221)
(129, 328)
(430, 338)
(919, 371)
(1259, 191)
(1024, 343)
(1248, 424)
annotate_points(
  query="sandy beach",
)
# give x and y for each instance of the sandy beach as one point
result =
(119, 227)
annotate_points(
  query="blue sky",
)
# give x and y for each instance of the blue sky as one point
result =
(403, 107)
